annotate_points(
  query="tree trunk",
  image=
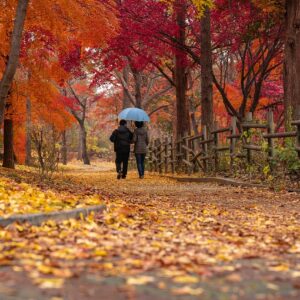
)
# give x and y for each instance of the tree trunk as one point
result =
(182, 105)
(83, 135)
(64, 149)
(138, 87)
(206, 72)
(28, 147)
(292, 61)
(126, 99)
(8, 155)
(39, 140)
(79, 154)
(14, 54)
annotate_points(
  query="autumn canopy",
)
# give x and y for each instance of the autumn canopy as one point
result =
(70, 67)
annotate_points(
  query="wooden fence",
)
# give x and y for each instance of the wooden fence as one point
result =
(202, 152)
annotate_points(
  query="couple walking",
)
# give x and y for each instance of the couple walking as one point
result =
(122, 138)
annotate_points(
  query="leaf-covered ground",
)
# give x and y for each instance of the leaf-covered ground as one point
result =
(158, 239)
(22, 198)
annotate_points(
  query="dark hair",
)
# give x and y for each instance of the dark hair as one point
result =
(139, 124)
(123, 122)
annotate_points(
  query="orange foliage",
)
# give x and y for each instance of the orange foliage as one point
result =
(54, 23)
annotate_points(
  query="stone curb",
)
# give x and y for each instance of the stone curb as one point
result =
(218, 180)
(39, 218)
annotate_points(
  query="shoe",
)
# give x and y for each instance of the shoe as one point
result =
(123, 176)
(141, 177)
(119, 175)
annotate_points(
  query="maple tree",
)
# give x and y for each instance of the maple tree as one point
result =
(11, 61)
(163, 35)
(140, 41)
(79, 99)
(206, 71)
(258, 54)
(65, 22)
(288, 11)
(292, 61)
(46, 39)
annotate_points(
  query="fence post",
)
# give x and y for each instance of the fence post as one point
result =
(249, 119)
(150, 155)
(160, 161)
(186, 153)
(194, 149)
(233, 140)
(271, 130)
(173, 155)
(216, 146)
(166, 154)
(156, 156)
(298, 130)
(205, 148)
(179, 152)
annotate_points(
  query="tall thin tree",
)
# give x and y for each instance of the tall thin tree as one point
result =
(206, 72)
(13, 57)
(292, 61)
(182, 105)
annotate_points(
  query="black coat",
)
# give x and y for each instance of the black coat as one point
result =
(122, 138)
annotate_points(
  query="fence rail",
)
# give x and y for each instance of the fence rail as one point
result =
(202, 152)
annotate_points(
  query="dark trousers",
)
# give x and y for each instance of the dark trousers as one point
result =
(122, 162)
(140, 162)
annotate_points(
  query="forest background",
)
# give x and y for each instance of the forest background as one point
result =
(67, 69)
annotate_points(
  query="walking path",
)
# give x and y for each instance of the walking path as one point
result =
(158, 239)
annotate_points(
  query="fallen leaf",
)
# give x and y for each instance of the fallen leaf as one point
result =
(187, 290)
(140, 280)
(186, 279)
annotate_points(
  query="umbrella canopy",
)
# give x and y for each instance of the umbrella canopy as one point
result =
(134, 114)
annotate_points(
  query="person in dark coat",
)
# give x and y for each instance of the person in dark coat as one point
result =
(122, 138)
(141, 141)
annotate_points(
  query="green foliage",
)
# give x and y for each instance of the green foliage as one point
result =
(99, 146)
(288, 157)
(224, 163)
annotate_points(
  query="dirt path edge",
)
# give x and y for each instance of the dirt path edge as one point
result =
(218, 180)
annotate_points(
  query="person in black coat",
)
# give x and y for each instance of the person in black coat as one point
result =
(122, 138)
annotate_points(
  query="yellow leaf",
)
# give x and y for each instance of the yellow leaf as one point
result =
(108, 266)
(140, 280)
(280, 268)
(50, 283)
(45, 269)
(100, 252)
(20, 228)
(186, 279)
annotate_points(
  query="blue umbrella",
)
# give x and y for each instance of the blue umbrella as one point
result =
(134, 114)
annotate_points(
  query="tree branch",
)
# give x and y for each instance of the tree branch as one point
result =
(158, 108)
